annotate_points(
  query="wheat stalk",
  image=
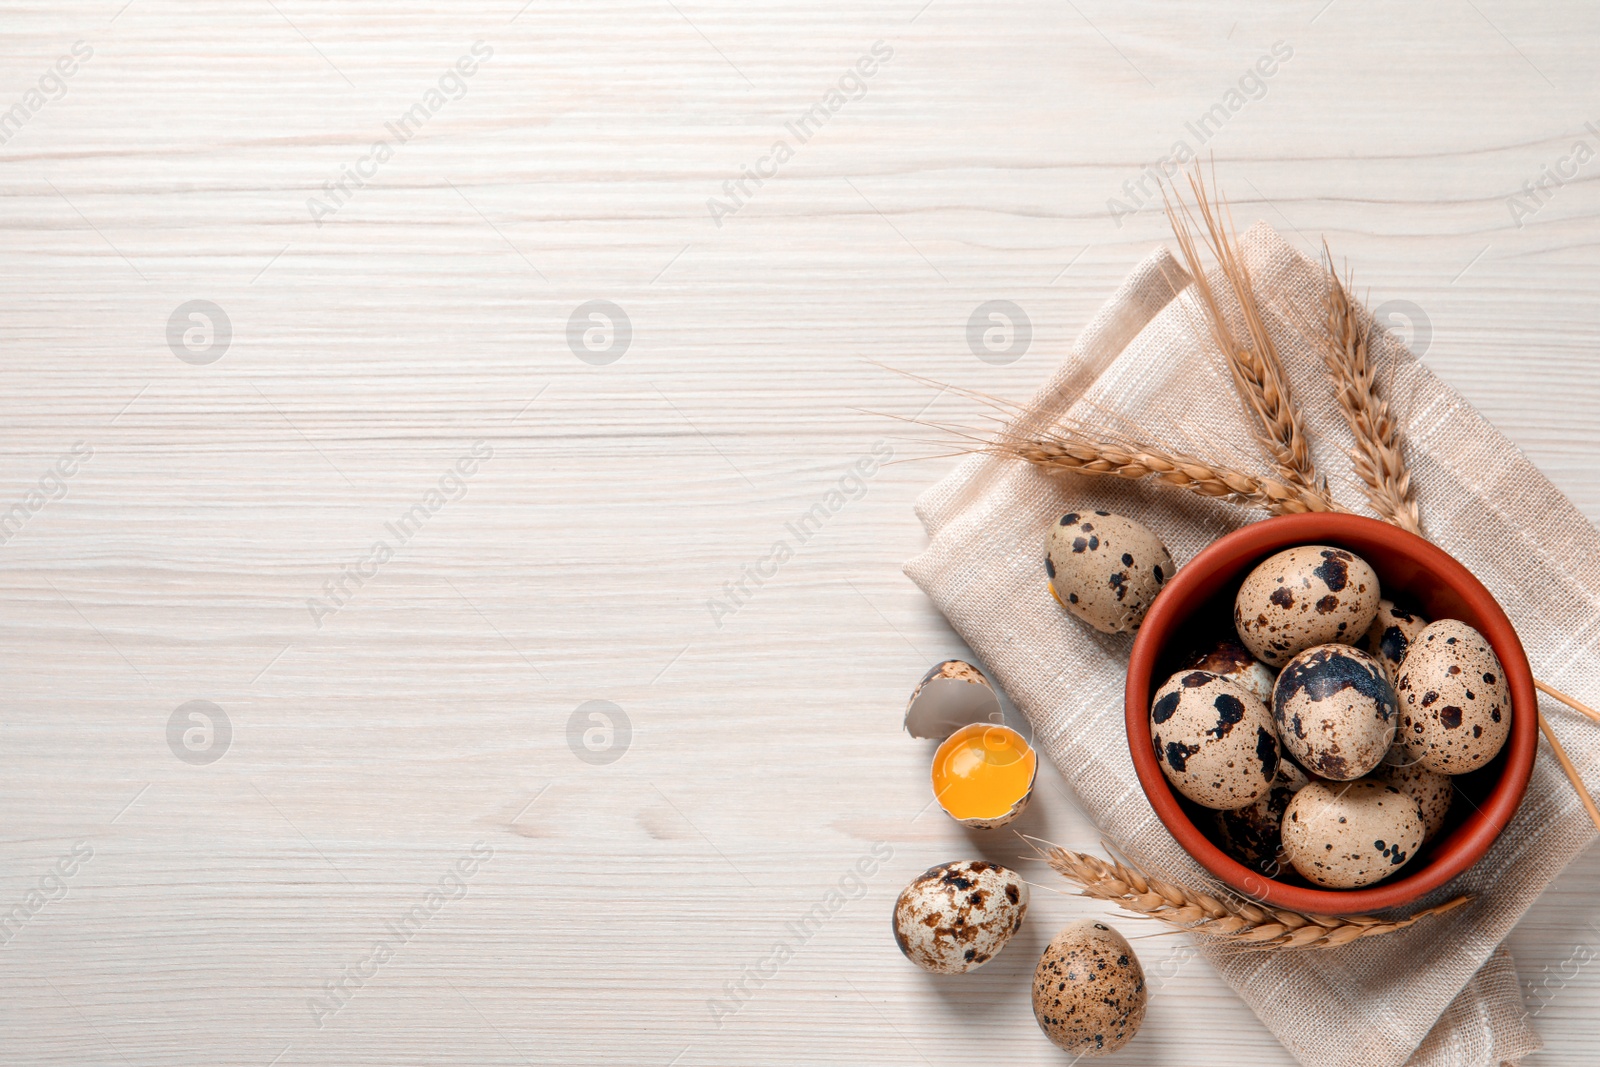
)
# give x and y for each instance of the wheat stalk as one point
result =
(1376, 455)
(1382, 467)
(1065, 450)
(1257, 370)
(1228, 921)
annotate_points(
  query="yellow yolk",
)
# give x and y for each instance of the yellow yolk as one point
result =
(982, 770)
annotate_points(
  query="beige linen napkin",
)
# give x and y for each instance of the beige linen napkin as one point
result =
(1442, 992)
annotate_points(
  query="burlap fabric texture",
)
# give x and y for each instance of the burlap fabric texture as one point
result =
(1440, 994)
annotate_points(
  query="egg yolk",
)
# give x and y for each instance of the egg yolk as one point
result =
(982, 770)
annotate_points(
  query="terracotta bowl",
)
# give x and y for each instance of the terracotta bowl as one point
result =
(1198, 603)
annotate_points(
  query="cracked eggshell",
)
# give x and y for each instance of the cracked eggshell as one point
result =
(1344, 835)
(1252, 835)
(1106, 569)
(1234, 662)
(1433, 791)
(1335, 711)
(1455, 706)
(951, 695)
(1089, 993)
(1305, 596)
(1213, 739)
(1390, 636)
(957, 916)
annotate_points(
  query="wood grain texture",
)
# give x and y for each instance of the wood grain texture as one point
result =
(370, 753)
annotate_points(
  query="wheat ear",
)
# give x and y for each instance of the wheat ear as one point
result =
(1229, 921)
(1377, 458)
(1257, 369)
(1382, 468)
(1065, 450)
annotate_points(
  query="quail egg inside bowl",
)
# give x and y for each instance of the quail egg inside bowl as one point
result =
(1348, 565)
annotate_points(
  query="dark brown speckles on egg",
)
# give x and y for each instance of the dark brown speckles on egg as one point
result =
(1251, 835)
(1234, 662)
(1213, 739)
(957, 916)
(949, 696)
(1089, 992)
(1390, 635)
(1433, 792)
(1302, 597)
(1335, 711)
(1104, 571)
(958, 669)
(1377, 830)
(1334, 570)
(1460, 723)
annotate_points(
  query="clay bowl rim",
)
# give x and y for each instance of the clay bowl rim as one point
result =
(1233, 554)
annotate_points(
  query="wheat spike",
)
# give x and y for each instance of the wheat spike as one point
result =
(1067, 447)
(1257, 369)
(1377, 457)
(1066, 450)
(1224, 921)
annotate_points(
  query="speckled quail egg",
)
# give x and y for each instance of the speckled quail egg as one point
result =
(1213, 739)
(1455, 706)
(1305, 596)
(1391, 634)
(951, 695)
(1335, 711)
(1089, 995)
(1252, 835)
(1106, 569)
(1344, 835)
(1234, 662)
(957, 916)
(1433, 791)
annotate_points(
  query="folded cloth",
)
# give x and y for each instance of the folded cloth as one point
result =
(1436, 994)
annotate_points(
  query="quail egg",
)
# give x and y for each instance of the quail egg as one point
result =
(1252, 835)
(1305, 596)
(1089, 995)
(1455, 706)
(957, 916)
(1234, 662)
(1213, 739)
(1391, 634)
(1433, 791)
(951, 695)
(1344, 835)
(1106, 569)
(1335, 711)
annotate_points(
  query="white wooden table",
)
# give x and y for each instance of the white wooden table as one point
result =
(196, 881)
